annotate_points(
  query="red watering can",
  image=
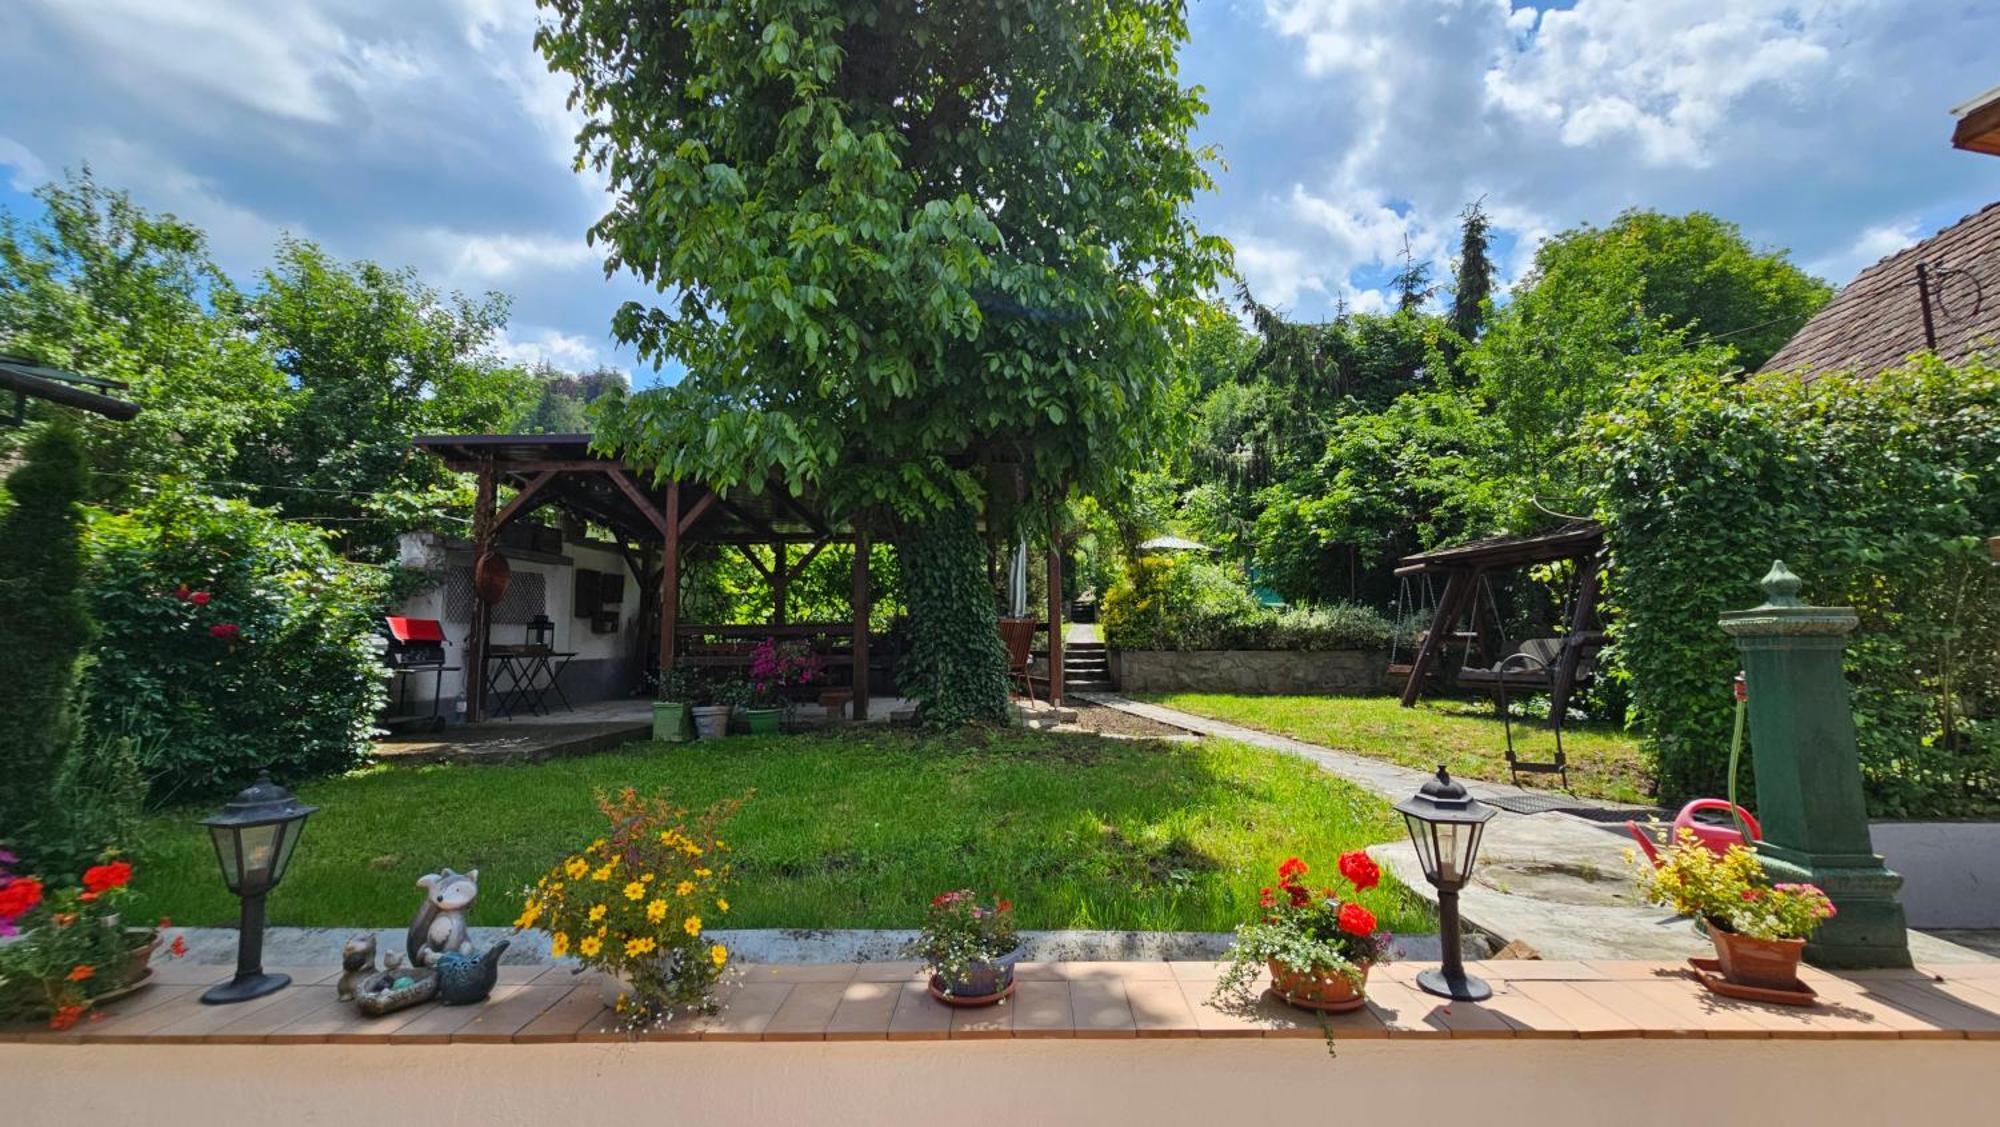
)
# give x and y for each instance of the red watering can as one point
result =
(1717, 836)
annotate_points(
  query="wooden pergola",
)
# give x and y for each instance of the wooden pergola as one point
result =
(562, 470)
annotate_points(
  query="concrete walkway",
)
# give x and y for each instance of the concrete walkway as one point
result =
(1555, 881)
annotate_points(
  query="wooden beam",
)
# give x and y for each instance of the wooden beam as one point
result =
(1055, 621)
(527, 493)
(751, 557)
(799, 568)
(55, 391)
(763, 527)
(860, 626)
(482, 611)
(696, 510)
(670, 578)
(644, 505)
(1563, 681)
(781, 577)
(809, 519)
(1450, 605)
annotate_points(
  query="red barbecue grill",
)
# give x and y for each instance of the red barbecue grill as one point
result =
(416, 647)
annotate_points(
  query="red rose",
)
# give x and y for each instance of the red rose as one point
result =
(103, 878)
(199, 598)
(1360, 868)
(227, 631)
(19, 896)
(1356, 920)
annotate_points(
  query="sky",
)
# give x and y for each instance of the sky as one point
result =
(431, 135)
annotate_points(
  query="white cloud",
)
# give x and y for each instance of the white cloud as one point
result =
(568, 351)
(28, 169)
(472, 259)
(1873, 245)
(1277, 274)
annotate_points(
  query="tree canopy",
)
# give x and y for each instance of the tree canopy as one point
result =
(908, 240)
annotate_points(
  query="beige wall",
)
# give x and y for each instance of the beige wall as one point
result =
(1628, 1083)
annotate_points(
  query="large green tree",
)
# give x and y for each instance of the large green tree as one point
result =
(913, 255)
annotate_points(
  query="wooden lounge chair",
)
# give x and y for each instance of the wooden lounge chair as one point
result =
(1018, 635)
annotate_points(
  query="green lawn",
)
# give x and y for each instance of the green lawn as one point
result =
(1603, 762)
(845, 830)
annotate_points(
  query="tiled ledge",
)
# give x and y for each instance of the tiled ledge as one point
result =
(887, 1001)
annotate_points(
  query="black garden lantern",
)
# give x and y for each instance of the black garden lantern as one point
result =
(254, 837)
(1445, 823)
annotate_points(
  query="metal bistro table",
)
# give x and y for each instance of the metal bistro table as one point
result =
(523, 676)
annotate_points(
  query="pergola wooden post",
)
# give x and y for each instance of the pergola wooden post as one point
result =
(781, 575)
(861, 607)
(483, 529)
(1055, 618)
(670, 582)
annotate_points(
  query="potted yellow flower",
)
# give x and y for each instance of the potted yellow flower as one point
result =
(637, 904)
(1759, 928)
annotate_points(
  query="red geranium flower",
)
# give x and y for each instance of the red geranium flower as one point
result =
(1360, 868)
(19, 896)
(179, 948)
(81, 971)
(65, 1017)
(1300, 897)
(1266, 898)
(227, 631)
(1003, 905)
(1291, 870)
(1356, 920)
(199, 598)
(104, 878)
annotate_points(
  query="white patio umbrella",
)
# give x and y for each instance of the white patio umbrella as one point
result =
(1017, 581)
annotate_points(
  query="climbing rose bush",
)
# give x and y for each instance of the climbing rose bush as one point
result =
(229, 641)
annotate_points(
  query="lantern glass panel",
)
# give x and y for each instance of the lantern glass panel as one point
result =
(260, 852)
(226, 853)
(291, 831)
(1469, 838)
(1420, 836)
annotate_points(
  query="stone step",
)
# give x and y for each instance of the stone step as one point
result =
(1085, 663)
(1096, 685)
(1083, 647)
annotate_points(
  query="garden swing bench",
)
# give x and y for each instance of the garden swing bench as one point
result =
(1466, 614)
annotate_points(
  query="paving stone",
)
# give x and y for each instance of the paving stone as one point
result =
(1044, 1009)
(747, 1012)
(918, 1016)
(1588, 1017)
(437, 1024)
(1099, 1009)
(564, 1017)
(292, 1004)
(976, 1023)
(864, 1011)
(806, 1013)
(902, 970)
(1159, 1009)
(500, 1020)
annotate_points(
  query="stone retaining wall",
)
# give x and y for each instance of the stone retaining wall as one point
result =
(1354, 672)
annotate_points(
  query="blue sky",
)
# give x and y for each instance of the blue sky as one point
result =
(430, 135)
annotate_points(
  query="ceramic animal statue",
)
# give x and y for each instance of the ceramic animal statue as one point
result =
(440, 924)
(464, 980)
(395, 988)
(357, 962)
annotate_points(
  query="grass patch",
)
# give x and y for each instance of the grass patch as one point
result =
(847, 829)
(1604, 762)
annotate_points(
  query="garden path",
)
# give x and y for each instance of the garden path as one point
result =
(1556, 880)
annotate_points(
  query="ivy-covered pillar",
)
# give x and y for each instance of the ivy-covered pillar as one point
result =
(1808, 771)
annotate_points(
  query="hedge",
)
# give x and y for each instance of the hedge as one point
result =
(1879, 493)
(1183, 603)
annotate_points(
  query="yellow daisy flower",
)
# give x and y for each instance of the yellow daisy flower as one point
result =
(596, 912)
(692, 925)
(530, 912)
(704, 873)
(637, 947)
(718, 954)
(602, 872)
(721, 905)
(684, 888)
(635, 891)
(559, 945)
(590, 946)
(656, 911)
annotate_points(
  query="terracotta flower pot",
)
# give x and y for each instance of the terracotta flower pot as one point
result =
(1334, 992)
(1768, 964)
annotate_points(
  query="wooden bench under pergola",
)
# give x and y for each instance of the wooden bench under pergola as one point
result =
(562, 470)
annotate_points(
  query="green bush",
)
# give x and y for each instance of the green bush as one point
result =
(1879, 493)
(1183, 603)
(231, 641)
(43, 628)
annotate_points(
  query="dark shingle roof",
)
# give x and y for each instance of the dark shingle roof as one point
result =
(1878, 320)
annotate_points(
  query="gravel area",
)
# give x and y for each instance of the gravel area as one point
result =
(1114, 722)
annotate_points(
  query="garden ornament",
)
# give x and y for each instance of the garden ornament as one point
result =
(357, 964)
(439, 928)
(396, 988)
(464, 980)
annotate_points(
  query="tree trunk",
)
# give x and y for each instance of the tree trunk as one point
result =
(955, 668)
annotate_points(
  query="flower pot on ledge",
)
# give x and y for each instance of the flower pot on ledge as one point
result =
(711, 721)
(1767, 964)
(763, 721)
(982, 983)
(1331, 992)
(670, 720)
